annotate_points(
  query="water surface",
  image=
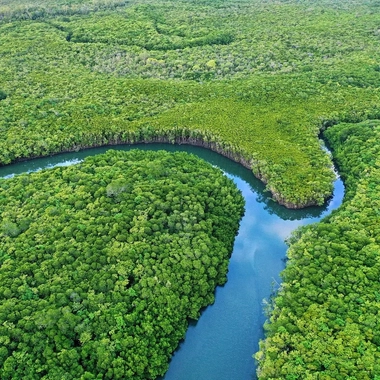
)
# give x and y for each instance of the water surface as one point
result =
(219, 346)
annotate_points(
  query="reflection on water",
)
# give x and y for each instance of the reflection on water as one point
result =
(228, 166)
(219, 346)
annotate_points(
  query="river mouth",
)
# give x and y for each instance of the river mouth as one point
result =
(221, 343)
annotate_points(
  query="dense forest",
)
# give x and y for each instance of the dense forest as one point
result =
(103, 262)
(256, 80)
(325, 319)
(253, 79)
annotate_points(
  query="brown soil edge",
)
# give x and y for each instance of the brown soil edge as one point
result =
(201, 140)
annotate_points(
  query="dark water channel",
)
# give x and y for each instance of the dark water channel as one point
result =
(219, 346)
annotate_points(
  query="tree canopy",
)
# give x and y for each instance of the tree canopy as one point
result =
(255, 80)
(103, 262)
(325, 319)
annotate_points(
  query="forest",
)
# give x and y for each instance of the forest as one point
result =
(94, 73)
(102, 263)
(260, 81)
(325, 319)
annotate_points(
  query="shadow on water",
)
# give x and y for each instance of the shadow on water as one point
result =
(220, 344)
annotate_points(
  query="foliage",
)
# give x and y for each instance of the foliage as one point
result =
(103, 262)
(178, 41)
(254, 79)
(325, 321)
(89, 73)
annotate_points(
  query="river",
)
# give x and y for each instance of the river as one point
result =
(219, 346)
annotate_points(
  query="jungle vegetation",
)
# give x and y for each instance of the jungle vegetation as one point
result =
(103, 262)
(254, 79)
(325, 319)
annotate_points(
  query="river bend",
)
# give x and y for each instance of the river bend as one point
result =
(219, 346)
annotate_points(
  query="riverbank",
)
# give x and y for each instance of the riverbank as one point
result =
(197, 138)
(221, 343)
(324, 318)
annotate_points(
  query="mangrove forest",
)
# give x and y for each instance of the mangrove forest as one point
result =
(104, 263)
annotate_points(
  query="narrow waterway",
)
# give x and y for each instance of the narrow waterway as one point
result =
(219, 346)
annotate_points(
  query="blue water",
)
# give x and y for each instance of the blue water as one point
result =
(219, 346)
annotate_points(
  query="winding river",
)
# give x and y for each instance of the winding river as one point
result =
(219, 346)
